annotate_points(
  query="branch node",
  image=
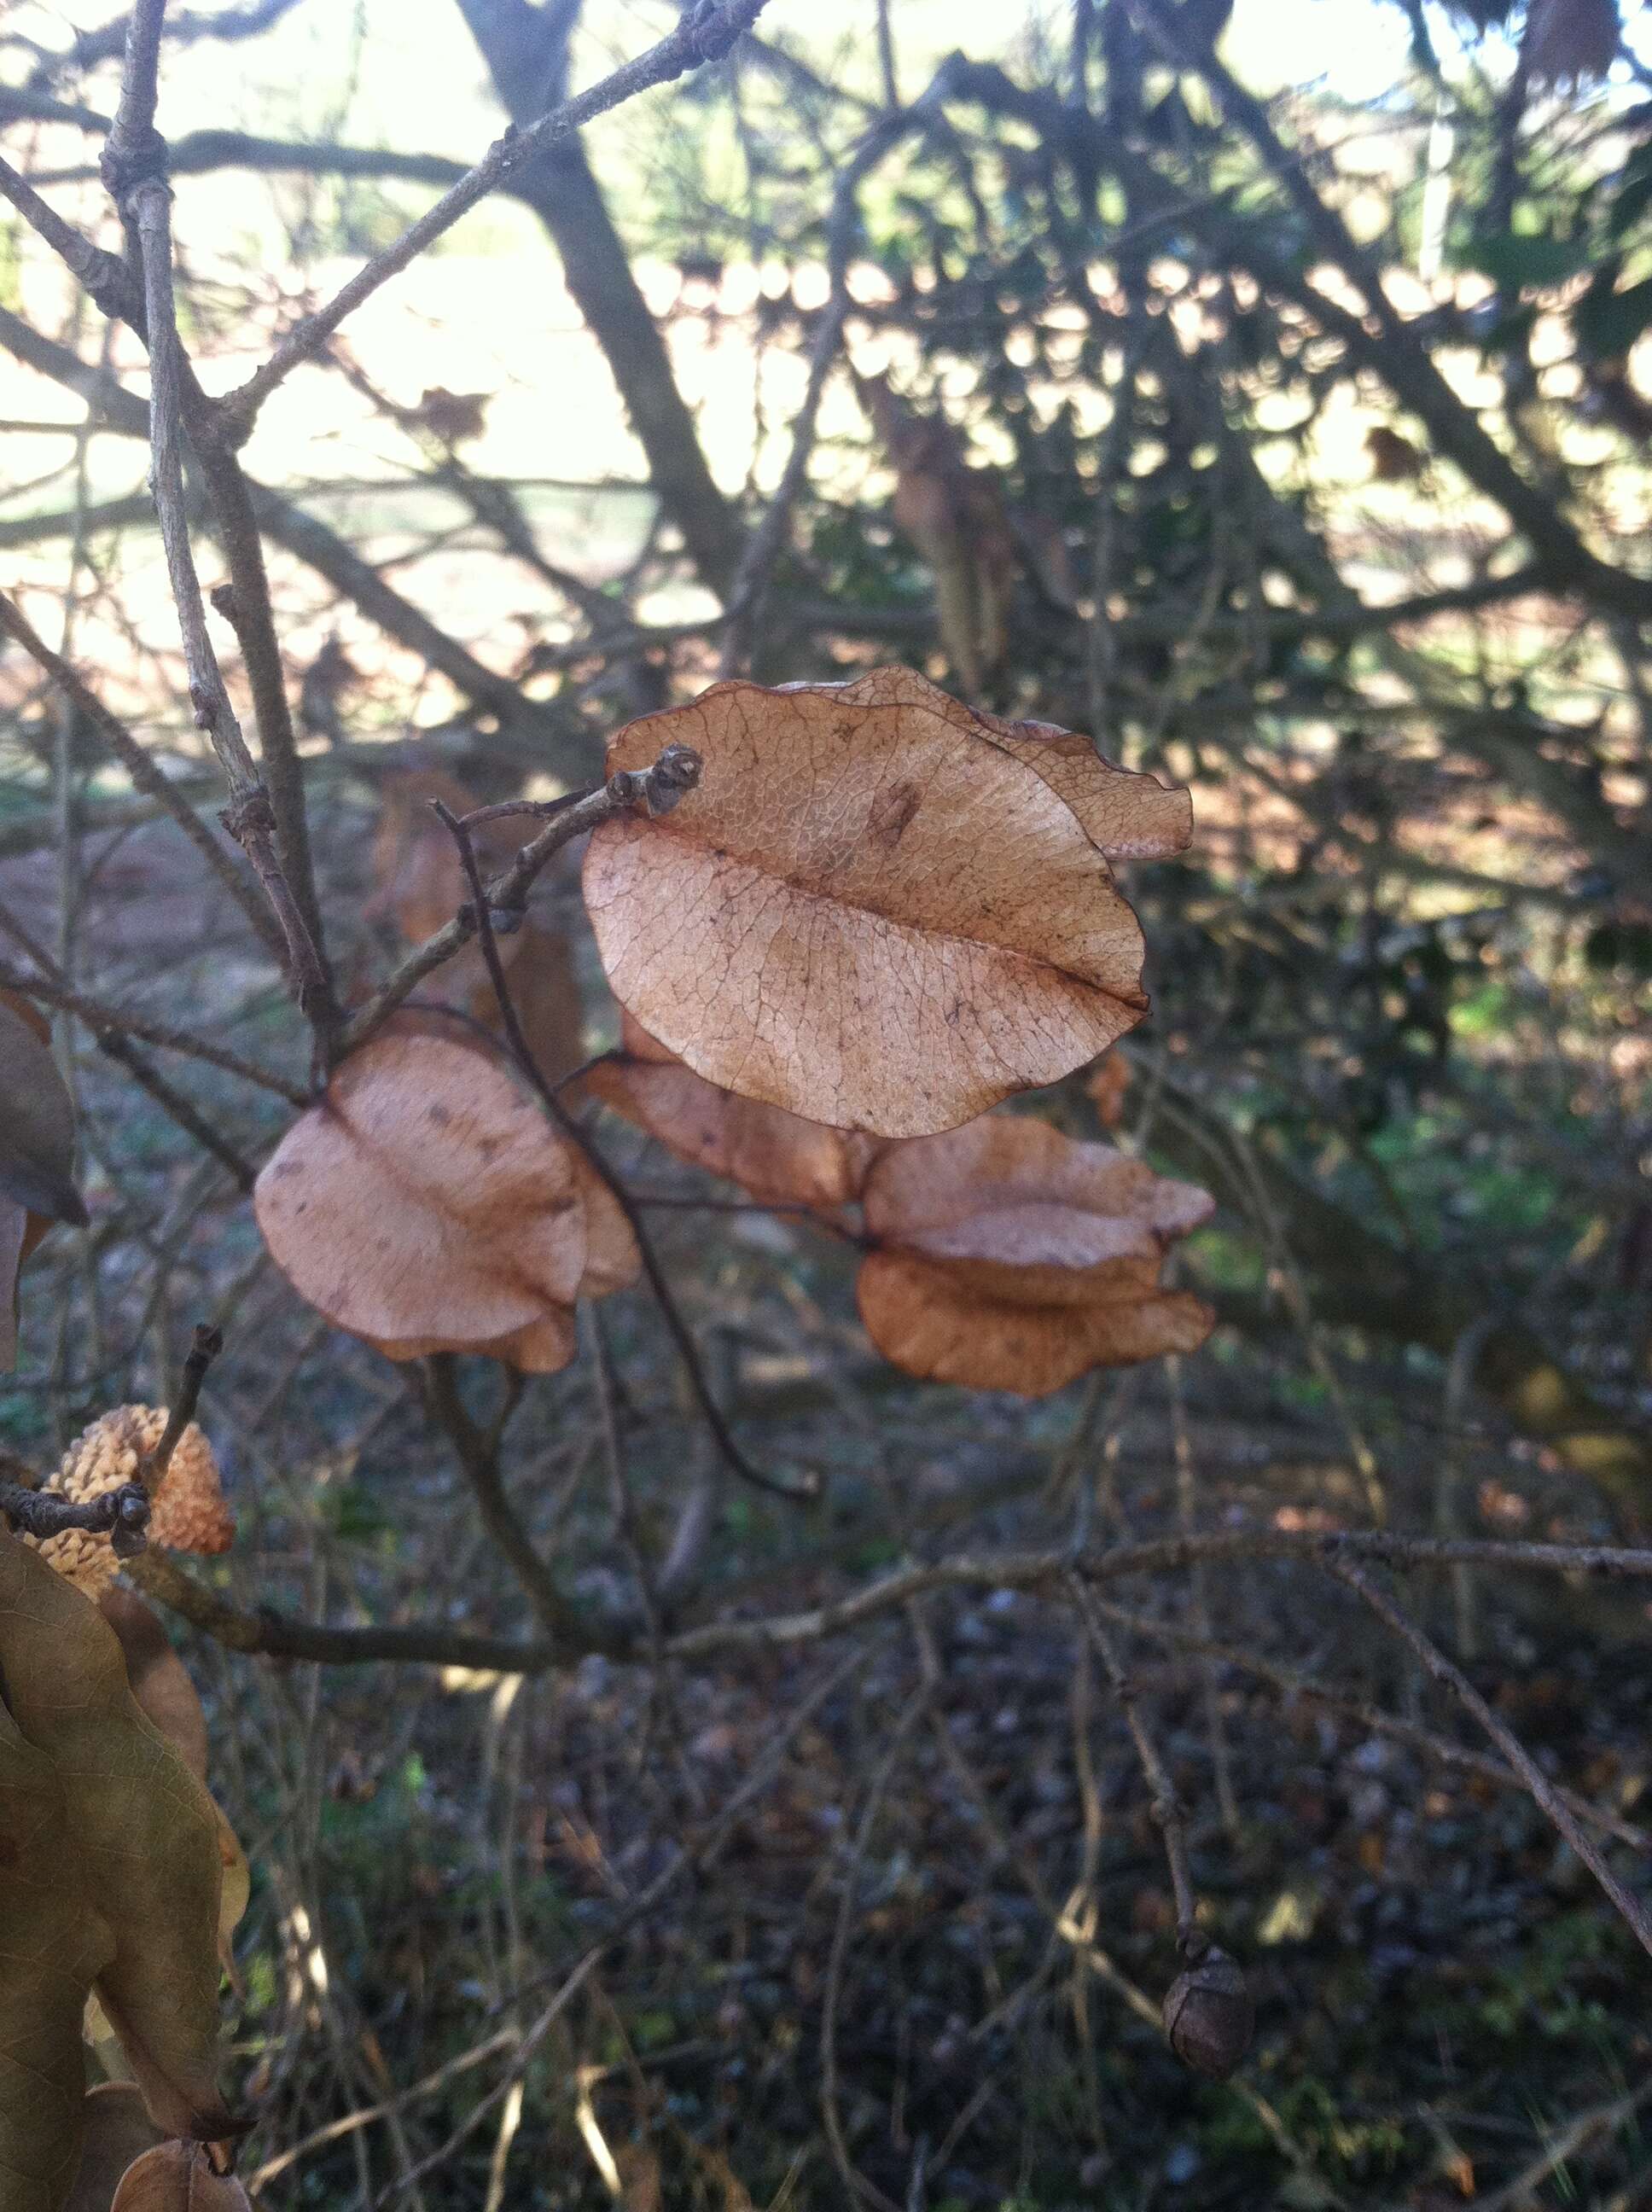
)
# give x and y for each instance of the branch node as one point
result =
(131, 159)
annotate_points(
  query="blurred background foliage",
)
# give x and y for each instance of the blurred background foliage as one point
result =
(1263, 388)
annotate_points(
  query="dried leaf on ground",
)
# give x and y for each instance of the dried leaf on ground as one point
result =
(53, 1939)
(142, 1831)
(118, 2130)
(778, 1157)
(874, 911)
(179, 2176)
(426, 1205)
(188, 1512)
(1009, 1257)
(37, 1118)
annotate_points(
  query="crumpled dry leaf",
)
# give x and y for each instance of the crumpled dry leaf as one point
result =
(179, 2176)
(877, 909)
(425, 1205)
(118, 2129)
(956, 517)
(420, 884)
(1009, 1257)
(142, 1832)
(188, 1511)
(142, 1835)
(37, 1118)
(53, 1939)
(777, 1157)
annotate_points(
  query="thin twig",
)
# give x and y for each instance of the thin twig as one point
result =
(208, 1343)
(677, 770)
(687, 1352)
(706, 32)
(249, 817)
(1166, 1805)
(477, 1451)
(281, 1636)
(1450, 1676)
(140, 766)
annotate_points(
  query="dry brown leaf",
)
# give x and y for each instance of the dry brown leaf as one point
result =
(544, 988)
(425, 1205)
(875, 911)
(188, 1511)
(141, 1829)
(21, 1231)
(956, 517)
(1393, 460)
(779, 1157)
(1125, 816)
(1568, 41)
(452, 416)
(1107, 1083)
(179, 2176)
(159, 1680)
(1011, 1258)
(165, 1695)
(118, 2130)
(37, 1117)
(53, 1939)
(925, 1323)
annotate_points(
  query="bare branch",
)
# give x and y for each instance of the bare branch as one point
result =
(706, 32)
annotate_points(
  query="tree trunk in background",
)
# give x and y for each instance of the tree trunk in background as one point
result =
(526, 49)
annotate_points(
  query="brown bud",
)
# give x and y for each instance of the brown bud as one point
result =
(1209, 2016)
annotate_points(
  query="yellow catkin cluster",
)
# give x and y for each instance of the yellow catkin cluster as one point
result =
(188, 1512)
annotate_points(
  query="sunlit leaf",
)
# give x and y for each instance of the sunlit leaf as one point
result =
(875, 911)
(426, 1205)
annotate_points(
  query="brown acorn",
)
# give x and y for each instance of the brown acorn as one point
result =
(1208, 2014)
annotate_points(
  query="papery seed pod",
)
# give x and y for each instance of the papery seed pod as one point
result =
(188, 1514)
(1209, 2015)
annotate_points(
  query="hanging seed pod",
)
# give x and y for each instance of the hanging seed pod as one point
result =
(1208, 2013)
